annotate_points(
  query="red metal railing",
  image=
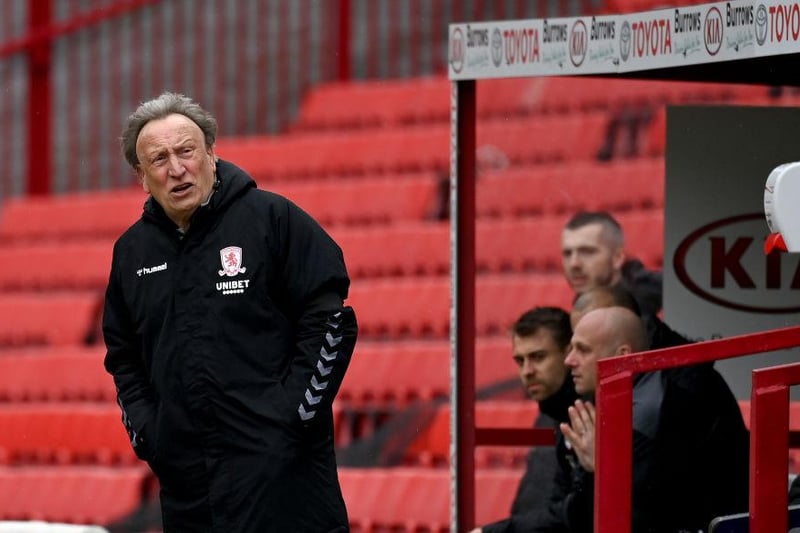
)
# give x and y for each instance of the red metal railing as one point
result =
(769, 426)
(614, 415)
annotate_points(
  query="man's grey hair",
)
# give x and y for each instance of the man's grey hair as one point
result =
(160, 107)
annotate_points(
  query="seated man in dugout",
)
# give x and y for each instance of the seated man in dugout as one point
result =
(690, 444)
(539, 340)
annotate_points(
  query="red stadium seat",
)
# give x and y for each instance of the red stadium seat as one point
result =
(80, 494)
(417, 499)
(412, 149)
(566, 188)
(410, 307)
(372, 200)
(403, 249)
(644, 236)
(398, 373)
(79, 215)
(63, 433)
(505, 244)
(501, 299)
(53, 318)
(40, 265)
(63, 373)
(519, 244)
(432, 446)
(376, 103)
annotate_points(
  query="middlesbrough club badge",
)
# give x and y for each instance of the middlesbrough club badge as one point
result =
(231, 258)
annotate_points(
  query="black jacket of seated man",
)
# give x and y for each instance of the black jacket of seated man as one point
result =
(536, 485)
(690, 458)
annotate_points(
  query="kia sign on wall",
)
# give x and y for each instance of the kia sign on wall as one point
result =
(717, 280)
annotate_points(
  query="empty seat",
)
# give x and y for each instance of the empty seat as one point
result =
(39, 265)
(79, 494)
(399, 373)
(92, 214)
(418, 499)
(63, 433)
(567, 188)
(52, 318)
(403, 249)
(409, 307)
(412, 149)
(432, 445)
(570, 95)
(62, 373)
(374, 103)
(371, 200)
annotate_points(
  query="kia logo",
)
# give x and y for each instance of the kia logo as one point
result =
(578, 43)
(728, 259)
(457, 51)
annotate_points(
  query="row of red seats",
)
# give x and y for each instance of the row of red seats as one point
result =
(380, 199)
(411, 307)
(506, 244)
(517, 141)
(418, 499)
(92, 433)
(46, 318)
(542, 189)
(389, 499)
(393, 103)
(407, 371)
(618, 186)
(391, 307)
(76, 494)
(63, 433)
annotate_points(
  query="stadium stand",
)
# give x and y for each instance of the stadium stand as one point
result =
(398, 373)
(370, 161)
(403, 307)
(619, 186)
(373, 200)
(393, 103)
(74, 494)
(432, 445)
(28, 265)
(35, 319)
(411, 149)
(55, 374)
(63, 433)
(70, 216)
(416, 499)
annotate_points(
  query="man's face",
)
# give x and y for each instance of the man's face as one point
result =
(587, 346)
(540, 362)
(588, 258)
(175, 165)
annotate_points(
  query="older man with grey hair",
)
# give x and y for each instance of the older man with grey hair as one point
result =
(226, 335)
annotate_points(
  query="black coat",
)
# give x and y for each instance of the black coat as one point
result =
(536, 485)
(227, 346)
(690, 464)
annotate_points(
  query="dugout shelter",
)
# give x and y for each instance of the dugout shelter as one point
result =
(753, 42)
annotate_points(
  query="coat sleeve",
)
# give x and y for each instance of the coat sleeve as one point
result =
(315, 284)
(124, 362)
